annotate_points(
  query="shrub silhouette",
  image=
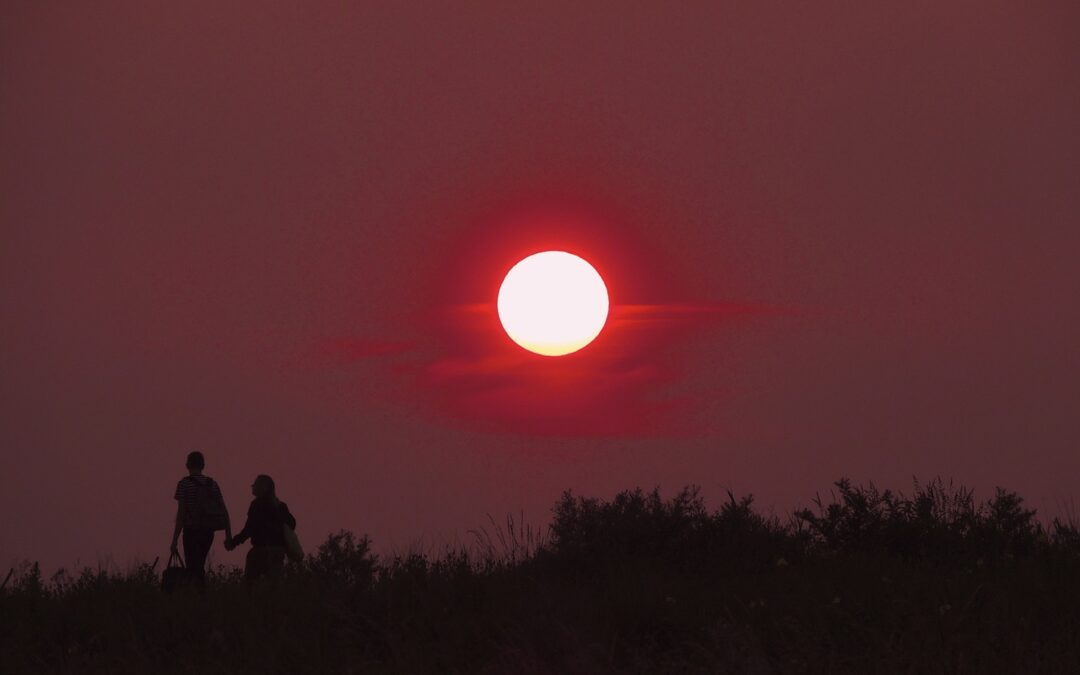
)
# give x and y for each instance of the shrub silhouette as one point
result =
(633, 523)
(1066, 535)
(939, 522)
(679, 532)
(343, 561)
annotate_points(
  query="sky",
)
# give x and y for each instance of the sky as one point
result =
(840, 240)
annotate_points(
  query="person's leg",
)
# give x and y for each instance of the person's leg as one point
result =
(253, 563)
(196, 547)
(275, 561)
(207, 542)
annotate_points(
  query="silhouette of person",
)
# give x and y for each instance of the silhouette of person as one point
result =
(265, 518)
(200, 511)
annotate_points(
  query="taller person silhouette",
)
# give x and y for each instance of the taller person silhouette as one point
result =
(200, 511)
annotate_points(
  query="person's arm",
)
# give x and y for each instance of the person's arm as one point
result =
(177, 527)
(243, 535)
(228, 523)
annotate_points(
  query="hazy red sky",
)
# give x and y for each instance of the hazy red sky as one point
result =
(841, 239)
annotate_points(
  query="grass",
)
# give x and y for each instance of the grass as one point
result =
(866, 581)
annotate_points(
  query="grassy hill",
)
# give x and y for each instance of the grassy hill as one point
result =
(867, 582)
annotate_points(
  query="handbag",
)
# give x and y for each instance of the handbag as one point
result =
(174, 576)
(293, 550)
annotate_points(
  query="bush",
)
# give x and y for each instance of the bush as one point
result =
(343, 561)
(679, 532)
(939, 522)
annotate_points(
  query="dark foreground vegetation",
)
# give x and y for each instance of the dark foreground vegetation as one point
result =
(865, 582)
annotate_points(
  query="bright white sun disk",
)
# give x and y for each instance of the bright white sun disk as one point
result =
(553, 303)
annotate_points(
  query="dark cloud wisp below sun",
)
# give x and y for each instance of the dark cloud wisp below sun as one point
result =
(468, 373)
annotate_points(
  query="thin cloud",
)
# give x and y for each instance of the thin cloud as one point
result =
(469, 373)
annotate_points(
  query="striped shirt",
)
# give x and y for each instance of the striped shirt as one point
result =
(187, 488)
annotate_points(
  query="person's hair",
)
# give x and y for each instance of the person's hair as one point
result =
(195, 460)
(268, 485)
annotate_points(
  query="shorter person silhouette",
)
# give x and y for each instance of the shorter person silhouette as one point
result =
(266, 517)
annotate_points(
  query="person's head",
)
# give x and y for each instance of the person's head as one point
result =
(195, 462)
(263, 486)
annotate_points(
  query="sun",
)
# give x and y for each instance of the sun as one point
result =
(553, 303)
